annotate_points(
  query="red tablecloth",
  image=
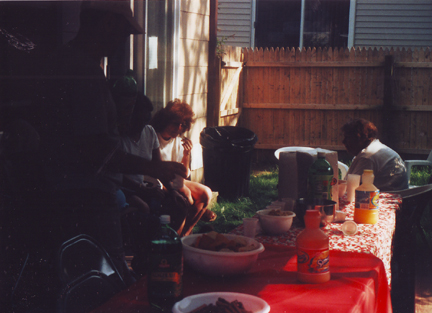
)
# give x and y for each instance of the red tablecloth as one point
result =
(375, 239)
(358, 284)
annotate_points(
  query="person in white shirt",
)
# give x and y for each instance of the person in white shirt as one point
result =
(170, 124)
(360, 140)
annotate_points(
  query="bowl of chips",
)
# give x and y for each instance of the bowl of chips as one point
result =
(220, 254)
(275, 221)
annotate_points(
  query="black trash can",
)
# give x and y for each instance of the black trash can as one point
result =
(227, 154)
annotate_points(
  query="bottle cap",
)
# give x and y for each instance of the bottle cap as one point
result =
(165, 219)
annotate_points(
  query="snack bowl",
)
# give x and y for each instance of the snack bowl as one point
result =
(275, 224)
(220, 263)
(251, 303)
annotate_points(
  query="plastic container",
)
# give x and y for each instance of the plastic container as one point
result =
(227, 156)
(165, 278)
(366, 200)
(320, 179)
(313, 253)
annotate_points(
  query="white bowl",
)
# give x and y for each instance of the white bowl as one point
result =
(275, 225)
(250, 303)
(217, 263)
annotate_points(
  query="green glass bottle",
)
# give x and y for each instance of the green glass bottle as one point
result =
(126, 86)
(320, 177)
(165, 278)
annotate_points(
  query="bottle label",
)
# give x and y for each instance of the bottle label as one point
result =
(313, 261)
(165, 278)
(366, 199)
(320, 187)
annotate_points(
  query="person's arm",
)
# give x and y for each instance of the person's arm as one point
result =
(187, 149)
(104, 151)
(359, 164)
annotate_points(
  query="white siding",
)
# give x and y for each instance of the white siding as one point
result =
(393, 23)
(235, 19)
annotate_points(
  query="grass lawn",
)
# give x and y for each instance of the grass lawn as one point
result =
(262, 191)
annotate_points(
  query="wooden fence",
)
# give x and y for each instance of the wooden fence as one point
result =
(298, 97)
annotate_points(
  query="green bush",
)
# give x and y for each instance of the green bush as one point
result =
(420, 175)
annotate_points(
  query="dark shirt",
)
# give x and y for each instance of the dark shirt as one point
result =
(79, 115)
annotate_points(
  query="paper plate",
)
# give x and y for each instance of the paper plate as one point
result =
(251, 303)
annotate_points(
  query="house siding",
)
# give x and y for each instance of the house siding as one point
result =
(235, 20)
(193, 44)
(393, 23)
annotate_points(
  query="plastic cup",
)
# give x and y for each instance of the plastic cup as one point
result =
(289, 204)
(340, 216)
(250, 225)
(353, 181)
(342, 187)
(349, 228)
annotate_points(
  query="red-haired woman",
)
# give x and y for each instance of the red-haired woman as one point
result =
(361, 140)
(170, 124)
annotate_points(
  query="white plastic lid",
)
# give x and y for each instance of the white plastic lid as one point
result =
(165, 219)
(349, 228)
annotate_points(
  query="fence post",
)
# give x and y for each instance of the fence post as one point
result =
(214, 69)
(388, 122)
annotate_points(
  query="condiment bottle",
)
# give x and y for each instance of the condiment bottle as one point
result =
(366, 200)
(313, 251)
(320, 180)
(165, 278)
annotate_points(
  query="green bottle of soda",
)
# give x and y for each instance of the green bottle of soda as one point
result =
(165, 277)
(319, 182)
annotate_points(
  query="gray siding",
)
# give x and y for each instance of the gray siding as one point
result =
(393, 23)
(235, 22)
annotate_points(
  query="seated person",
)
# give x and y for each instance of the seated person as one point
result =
(170, 123)
(142, 140)
(360, 140)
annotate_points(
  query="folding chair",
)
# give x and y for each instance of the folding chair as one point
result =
(87, 274)
(408, 220)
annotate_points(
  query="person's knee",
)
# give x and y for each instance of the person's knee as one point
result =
(205, 194)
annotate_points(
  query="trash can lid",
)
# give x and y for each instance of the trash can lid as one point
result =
(227, 136)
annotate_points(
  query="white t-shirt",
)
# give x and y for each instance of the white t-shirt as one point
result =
(143, 147)
(172, 149)
(388, 167)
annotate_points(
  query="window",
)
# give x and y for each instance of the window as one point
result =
(279, 23)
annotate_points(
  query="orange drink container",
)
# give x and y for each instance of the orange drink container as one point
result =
(313, 251)
(366, 200)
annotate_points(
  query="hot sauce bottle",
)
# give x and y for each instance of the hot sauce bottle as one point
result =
(313, 251)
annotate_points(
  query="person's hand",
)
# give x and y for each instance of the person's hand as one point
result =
(149, 192)
(166, 171)
(187, 146)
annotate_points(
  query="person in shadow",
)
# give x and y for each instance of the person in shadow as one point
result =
(80, 142)
(361, 140)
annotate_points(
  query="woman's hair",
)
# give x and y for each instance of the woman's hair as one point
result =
(361, 129)
(175, 111)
